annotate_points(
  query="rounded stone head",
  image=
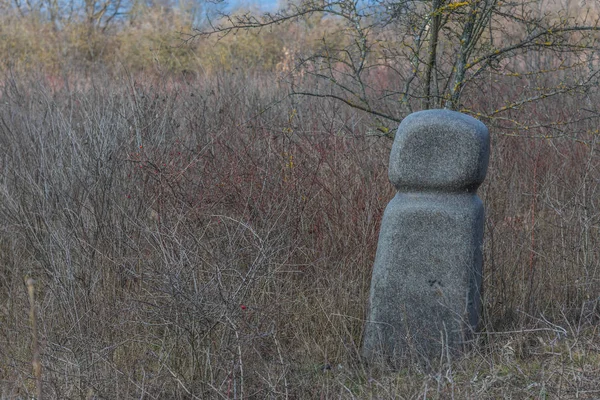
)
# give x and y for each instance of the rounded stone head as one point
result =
(439, 150)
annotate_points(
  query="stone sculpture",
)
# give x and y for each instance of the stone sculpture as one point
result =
(426, 283)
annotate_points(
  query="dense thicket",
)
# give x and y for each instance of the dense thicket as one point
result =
(195, 232)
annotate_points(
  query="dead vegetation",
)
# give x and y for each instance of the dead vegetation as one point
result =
(200, 233)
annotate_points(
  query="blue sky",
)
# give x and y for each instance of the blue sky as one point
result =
(265, 5)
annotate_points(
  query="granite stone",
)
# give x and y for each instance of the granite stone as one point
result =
(426, 282)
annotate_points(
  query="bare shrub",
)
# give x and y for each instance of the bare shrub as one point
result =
(214, 239)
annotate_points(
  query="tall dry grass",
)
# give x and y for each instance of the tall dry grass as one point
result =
(213, 238)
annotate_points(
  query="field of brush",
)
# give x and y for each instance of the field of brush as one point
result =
(199, 239)
(175, 225)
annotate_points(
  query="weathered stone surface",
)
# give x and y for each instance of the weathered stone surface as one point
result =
(425, 288)
(439, 150)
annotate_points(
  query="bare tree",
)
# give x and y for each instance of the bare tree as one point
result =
(434, 51)
(97, 13)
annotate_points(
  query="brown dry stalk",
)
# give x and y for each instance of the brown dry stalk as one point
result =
(35, 347)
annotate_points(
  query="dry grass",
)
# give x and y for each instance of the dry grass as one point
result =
(214, 239)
